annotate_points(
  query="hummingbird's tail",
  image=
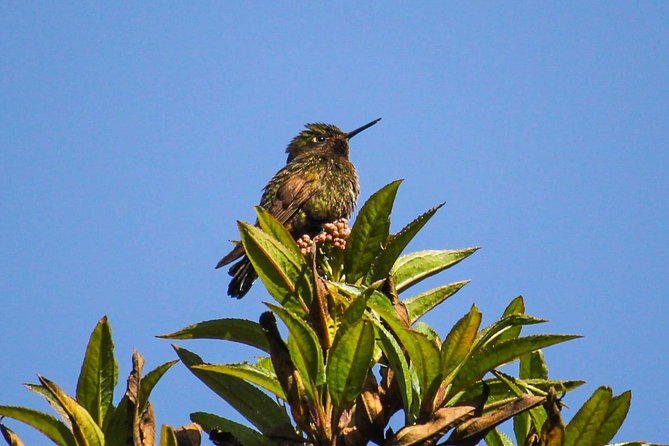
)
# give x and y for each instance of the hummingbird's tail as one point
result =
(243, 276)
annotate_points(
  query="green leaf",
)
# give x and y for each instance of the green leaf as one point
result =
(99, 373)
(272, 226)
(369, 232)
(521, 427)
(148, 382)
(254, 374)
(533, 365)
(598, 420)
(236, 330)
(500, 391)
(167, 436)
(252, 403)
(48, 396)
(86, 431)
(245, 435)
(491, 334)
(398, 363)
(494, 355)
(427, 330)
(424, 354)
(517, 306)
(412, 268)
(419, 305)
(583, 429)
(396, 243)
(286, 277)
(615, 415)
(349, 362)
(498, 438)
(517, 387)
(459, 341)
(53, 428)
(305, 350)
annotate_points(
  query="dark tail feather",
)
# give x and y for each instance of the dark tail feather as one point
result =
(233, 255)
(243, 276)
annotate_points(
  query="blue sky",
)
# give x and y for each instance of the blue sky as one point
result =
(132, 137)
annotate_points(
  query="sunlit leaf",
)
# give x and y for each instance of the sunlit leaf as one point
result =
(412, 268)
(494, 355)
(252, 403)
(396, 243)
(285, 276)
(236, 330)
(99, 373)
(349, 362)
(86, 431)
(304, 348)
(53, 428)
(167, 437)
(256, 375)
(459, 341)
(420, 304)
(272, 226)
(516, 306)
(369, 232)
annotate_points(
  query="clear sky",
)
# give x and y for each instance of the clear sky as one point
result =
(132, 137)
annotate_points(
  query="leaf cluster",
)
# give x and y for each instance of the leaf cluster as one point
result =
(90, 418)
(357, 353)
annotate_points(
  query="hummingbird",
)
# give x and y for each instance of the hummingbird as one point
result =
(317, 185)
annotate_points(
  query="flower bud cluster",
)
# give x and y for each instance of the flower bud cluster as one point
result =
(335, 233)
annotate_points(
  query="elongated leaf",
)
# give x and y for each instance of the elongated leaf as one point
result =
(521, 427)
(236, 330)
(99, 373)
(398, 363)
(272, 226)
(86, 431)
(500, 391)
(584, 428)
(615, 415)
(150, 380)
(412, 268)
(491, 333)
(349, 362)
(252, 403)
(53, 428)
(424, 354)
(492, 356)
(167, 436)
(259, 376)
(420, 304)
(516, 306)
(369, 232)
(246, 436)
(498, 438)
(517, 387)
(10, 437)
(396, 243)
(533, 365)
(284, 275)
(53, 402)
(305, 350)
(459, 341)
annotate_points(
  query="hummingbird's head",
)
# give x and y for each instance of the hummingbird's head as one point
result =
(322, 136)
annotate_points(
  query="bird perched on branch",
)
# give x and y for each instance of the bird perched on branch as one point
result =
(318, 185)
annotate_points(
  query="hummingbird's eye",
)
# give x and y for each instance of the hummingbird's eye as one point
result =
(319, 138)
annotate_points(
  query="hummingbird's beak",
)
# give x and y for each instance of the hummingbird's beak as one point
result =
(351, 134)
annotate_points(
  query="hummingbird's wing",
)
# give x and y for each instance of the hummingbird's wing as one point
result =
(283, 197)
(291, 195)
